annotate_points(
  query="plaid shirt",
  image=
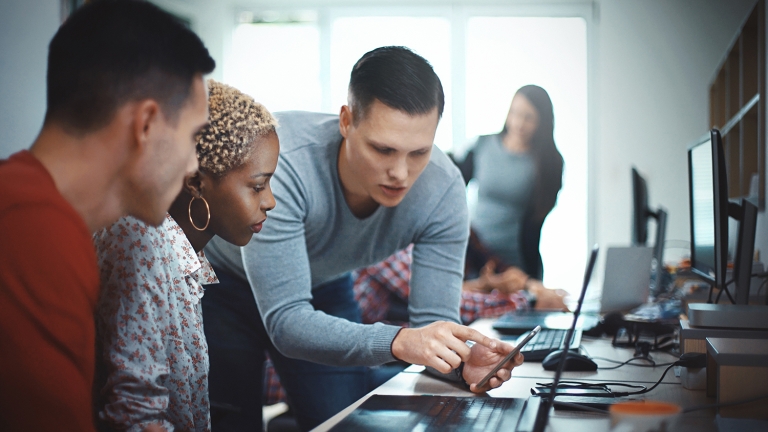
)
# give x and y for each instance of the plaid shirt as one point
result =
(375, 284)
(374, 287)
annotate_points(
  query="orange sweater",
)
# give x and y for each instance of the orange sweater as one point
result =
(49, 284)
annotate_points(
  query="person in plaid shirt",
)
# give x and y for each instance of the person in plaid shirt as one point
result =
(382, 292)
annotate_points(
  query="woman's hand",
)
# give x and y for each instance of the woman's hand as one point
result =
(509, 281)
(547, 299)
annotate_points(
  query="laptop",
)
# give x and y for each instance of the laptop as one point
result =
(385, 413)
(627, 278)
(626, 285)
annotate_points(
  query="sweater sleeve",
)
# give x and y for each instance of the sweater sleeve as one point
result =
(277, 266)
(438, 264)
(438, 261)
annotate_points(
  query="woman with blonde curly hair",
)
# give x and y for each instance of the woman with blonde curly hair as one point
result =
(152, 365)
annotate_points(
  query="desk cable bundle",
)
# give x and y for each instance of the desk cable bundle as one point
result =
(695, 360)
(642, 353)
(691, 360)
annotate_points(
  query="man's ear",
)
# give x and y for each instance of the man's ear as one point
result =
(345, 120)
(193, 184)
(145, 119)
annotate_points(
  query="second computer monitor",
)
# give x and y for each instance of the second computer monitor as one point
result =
(641, 213)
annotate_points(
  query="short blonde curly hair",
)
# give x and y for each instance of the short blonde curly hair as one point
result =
(236, 120)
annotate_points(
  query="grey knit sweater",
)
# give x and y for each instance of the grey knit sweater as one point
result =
(311, 237)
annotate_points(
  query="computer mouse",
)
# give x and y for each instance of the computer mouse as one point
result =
(573, 362)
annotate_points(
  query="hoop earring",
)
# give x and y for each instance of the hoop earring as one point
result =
(190, 214)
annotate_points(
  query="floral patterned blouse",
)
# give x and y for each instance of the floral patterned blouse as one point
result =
(152, 355)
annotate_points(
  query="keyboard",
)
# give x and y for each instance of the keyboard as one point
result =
(389, 413)
(466, 414)
(519, 322)
(545, 342)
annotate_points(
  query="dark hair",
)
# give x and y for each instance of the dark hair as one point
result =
(549, 161)
(109, 53)
(398, 78)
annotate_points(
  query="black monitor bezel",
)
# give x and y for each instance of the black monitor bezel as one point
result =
(720, 211)
(640, 209)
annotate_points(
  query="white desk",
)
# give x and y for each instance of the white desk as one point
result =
(414, 382)
(409, 383)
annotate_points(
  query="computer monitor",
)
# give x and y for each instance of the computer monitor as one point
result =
(709, 211)
(641, 213)
(708, 201)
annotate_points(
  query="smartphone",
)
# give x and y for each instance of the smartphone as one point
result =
(509, 356)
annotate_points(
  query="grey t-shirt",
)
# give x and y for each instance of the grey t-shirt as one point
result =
(505, 182)
(312, 237)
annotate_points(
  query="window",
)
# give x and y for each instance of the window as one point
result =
(481, 59)
(351, 37)
(260, 67)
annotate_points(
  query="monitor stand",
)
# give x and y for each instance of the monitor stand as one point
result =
(746, 214)
(728, 316)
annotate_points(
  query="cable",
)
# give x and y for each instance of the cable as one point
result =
(653, 386)
(628, 362)
(645, 356)
(585, 385)
(686, 360)
(695, 360)
(604, 386)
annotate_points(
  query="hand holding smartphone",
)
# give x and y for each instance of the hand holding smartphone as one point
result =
(509, 356)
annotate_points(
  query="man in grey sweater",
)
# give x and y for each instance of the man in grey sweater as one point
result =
(350, 190)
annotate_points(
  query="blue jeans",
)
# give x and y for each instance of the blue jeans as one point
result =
(238, 341)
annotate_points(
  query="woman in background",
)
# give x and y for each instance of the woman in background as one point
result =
(152, 356)
(519, 175)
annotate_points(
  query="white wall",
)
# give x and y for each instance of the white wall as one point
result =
(26, 27)
(656, 61)
(211, 21)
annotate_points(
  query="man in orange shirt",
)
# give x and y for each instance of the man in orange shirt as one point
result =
(125, 99)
